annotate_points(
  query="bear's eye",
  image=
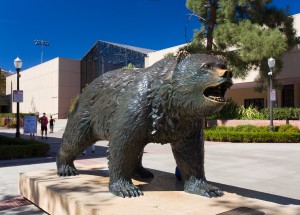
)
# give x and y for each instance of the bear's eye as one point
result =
(207, 66)
(222, 66)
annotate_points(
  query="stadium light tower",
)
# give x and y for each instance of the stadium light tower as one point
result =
(41, 43)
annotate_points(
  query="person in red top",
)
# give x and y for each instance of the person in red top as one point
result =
(44, 122)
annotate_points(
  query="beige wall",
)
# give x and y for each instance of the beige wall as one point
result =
(291, 64)
(297, 23)
(69, 84)
(239, 95)
(153, 57)
(47, 87)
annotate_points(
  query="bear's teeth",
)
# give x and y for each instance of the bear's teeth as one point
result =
(218, 99)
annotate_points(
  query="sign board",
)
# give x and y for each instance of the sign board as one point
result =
(18, 96)
(273, 95)
(29, 124)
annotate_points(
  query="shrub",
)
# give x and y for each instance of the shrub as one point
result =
(296, 113)
(232, 111)
(288, 128)
(11, 148)
(129, 66)
(73, 102)
(251, 133)
(229, 111)
(12, 117)
(250, 113)
(252, 137)
(245, 128)
(169, 55)
(282, 113)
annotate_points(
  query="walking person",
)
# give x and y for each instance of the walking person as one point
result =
(44, 122)
(8, 122)
(51, 122)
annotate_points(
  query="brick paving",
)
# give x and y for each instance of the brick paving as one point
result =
(13, 203)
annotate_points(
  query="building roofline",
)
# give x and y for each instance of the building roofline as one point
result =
(133, 48)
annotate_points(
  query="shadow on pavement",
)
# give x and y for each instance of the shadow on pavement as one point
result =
(257, 195)
(165, 181)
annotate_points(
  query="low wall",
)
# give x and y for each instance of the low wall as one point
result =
(220, 122)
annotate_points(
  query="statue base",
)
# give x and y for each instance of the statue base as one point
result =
(88, 193)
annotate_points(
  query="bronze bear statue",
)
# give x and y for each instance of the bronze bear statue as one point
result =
(165, 103)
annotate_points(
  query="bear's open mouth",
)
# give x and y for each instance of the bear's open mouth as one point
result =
(217, 93)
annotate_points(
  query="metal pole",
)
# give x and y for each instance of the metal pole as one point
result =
(42, 54)
(41, 43)
(18, 107)
(271, 104)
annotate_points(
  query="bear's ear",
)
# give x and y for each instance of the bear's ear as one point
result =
(181, 55)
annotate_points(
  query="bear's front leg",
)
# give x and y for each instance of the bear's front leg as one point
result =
(189, 156)
(201, 187)
(124, 188)
(123, 157)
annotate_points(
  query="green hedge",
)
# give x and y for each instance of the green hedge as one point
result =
(282, 113)
(11, 148)
(252, 137)
(253, 134)
(253, 128)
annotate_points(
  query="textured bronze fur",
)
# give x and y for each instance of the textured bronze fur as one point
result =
(131, 108)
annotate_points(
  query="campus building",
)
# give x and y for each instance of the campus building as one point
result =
(243, 91)
(50, 86)
(107, 56)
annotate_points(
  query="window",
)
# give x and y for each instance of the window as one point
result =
(288, 96)
(257, 103)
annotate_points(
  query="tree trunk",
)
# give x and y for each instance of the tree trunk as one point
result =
(211, 24)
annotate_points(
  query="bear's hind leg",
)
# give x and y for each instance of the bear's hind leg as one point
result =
(141, 171)
(67, 153)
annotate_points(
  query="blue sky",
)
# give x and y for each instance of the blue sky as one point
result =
(72, 27)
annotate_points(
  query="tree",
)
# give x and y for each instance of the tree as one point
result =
(2, 86)
(244, 32)
(2, 83)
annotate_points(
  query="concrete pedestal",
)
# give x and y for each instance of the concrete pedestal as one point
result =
(88, 193)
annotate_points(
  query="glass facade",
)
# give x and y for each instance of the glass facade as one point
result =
(106, 56)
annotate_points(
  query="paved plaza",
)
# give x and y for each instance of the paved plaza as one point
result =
(268, 172)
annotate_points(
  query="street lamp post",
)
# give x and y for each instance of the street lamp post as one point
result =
(18, 64)
(271, 64)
